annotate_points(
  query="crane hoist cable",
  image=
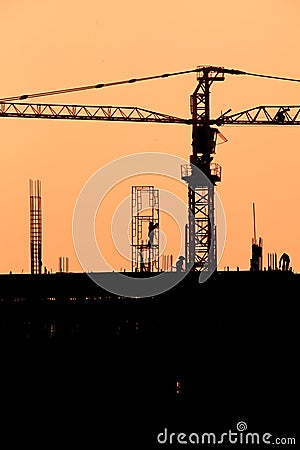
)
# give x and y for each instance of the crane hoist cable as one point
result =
(135, 80)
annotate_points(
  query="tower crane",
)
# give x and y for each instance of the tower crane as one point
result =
(201, 229)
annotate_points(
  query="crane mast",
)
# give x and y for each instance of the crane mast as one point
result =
(201, 251)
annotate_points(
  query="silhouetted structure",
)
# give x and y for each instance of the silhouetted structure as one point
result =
(167, 263)
(35, 191)
(201, 228)
(145, 222)
(260, 327)
(63, 264)
(167, 354)
(256, 259)
(272, 261)
(201, 231)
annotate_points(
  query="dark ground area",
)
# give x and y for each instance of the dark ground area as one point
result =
(114, 373)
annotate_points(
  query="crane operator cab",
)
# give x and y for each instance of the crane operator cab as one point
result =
(204, 147)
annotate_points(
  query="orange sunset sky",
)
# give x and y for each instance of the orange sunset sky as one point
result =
(61, 44)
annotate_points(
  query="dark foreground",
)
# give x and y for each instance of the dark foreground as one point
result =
(105, 373)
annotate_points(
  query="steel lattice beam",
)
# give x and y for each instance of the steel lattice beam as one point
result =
(259, 115)
(263, 115)
(80, 112)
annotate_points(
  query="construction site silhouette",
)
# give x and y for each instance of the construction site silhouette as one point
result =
(84, 367)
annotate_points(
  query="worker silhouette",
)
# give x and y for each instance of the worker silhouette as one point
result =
(284, 262)
(280, 117)
(152, 226)
(179, 264)
(142, 262)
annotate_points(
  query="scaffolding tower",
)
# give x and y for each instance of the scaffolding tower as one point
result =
(144, 229)
(35, 191)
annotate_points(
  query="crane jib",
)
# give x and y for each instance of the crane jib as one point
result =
(260, 115)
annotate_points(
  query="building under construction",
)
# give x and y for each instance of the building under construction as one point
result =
(213, 354)
(222, 348)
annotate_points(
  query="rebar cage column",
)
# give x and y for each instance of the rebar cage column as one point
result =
(35, 191)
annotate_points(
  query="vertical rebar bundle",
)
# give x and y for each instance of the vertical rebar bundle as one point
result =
(35, 191)
(272, 261)
(63, 264)
(167, 263)
(256, 262)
